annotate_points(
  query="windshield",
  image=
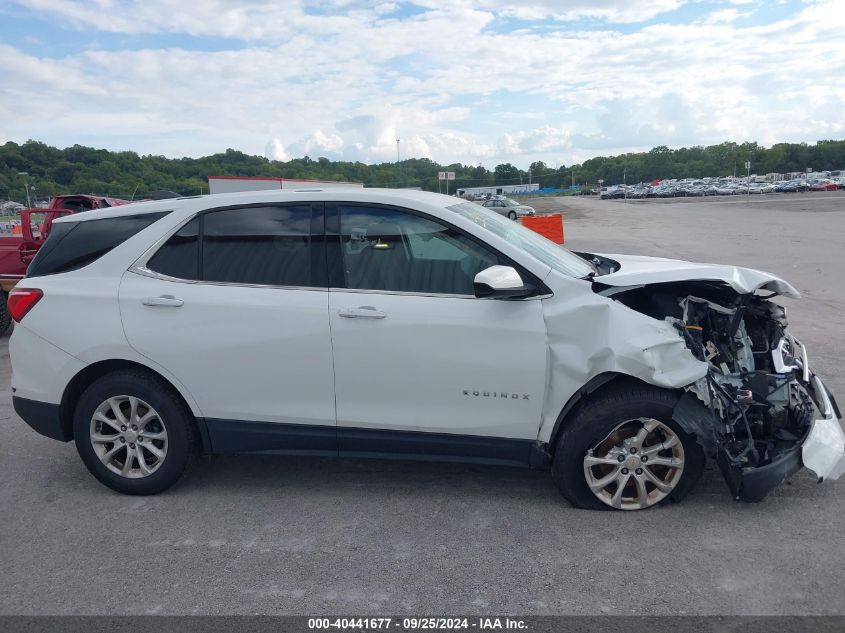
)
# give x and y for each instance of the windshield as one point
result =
(510, 203)
(546, 251)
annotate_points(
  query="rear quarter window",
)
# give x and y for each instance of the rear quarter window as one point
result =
(72, 245)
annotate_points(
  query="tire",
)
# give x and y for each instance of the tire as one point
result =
(599, 423)
(5, 317)
(512, 215)
(169, 431)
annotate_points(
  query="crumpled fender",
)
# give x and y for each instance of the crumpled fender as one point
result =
(589, 334)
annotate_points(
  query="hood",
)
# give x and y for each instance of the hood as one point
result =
(636, 270)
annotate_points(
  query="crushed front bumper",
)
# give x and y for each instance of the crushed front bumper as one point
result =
(823, 451)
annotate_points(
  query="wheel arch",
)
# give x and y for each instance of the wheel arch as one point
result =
(598, 384)
(90, 373)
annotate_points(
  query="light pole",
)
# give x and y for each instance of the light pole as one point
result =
(625, 183)
(748, 178)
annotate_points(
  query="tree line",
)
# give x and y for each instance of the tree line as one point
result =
(48, 171)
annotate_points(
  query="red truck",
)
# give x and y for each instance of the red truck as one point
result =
(19, 243)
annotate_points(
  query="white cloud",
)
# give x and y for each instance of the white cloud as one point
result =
(349, 84)
(568, 10)
(723, 16)
(274, 150)
(273, 20)
(319, 143)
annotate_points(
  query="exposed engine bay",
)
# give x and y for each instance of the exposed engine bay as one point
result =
(761, 395)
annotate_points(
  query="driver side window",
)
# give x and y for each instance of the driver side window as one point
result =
(394, 250)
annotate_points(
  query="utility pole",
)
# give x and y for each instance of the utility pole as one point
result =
(398, 160)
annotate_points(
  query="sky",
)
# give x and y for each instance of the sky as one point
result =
(469, 81)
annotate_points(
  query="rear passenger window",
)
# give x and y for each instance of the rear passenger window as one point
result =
(72, 245)
(268, 246)
(180, 256)
(258, 245)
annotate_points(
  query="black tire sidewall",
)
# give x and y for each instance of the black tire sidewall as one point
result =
(595, 420)
(180, 441)
(512, 215)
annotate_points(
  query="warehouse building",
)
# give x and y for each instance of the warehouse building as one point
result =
(231, 184)
(498, 190)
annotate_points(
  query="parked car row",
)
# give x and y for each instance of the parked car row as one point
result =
(711, 187)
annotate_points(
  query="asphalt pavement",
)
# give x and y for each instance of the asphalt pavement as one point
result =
(280, 535)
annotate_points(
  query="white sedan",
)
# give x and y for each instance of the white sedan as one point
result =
(510, 208)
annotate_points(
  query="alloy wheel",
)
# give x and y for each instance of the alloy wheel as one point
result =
(637, 465)
(128, 436)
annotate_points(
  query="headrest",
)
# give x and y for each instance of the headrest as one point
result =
(384, 234)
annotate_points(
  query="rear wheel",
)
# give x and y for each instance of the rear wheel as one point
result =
(512, 215)
(623, 451)
(134, 433)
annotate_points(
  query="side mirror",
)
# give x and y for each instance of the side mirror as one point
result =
(501, 282)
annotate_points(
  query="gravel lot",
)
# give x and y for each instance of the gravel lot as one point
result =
(275, 535)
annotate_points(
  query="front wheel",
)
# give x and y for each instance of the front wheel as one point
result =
(512, 215)
(623, 451)
(134, 433)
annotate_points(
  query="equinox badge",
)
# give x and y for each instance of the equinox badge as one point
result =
(495, 394)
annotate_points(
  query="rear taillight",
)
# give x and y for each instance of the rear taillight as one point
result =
(22, 300)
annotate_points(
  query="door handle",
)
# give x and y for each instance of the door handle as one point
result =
(163, 300)
(363, 312)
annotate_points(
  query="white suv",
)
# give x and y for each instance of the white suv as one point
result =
(377, 323)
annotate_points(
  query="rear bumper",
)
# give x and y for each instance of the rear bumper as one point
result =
(43, 417)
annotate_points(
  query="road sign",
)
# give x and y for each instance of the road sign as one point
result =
(450, 175)
(748, 164)
(441, 175)
(445, 175)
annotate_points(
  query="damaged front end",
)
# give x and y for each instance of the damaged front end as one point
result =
(770, 414)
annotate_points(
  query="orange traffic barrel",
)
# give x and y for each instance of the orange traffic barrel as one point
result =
(550, 226)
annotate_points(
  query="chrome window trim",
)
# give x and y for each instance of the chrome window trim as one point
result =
(139, 267)
(436, 295)
(146, 272)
